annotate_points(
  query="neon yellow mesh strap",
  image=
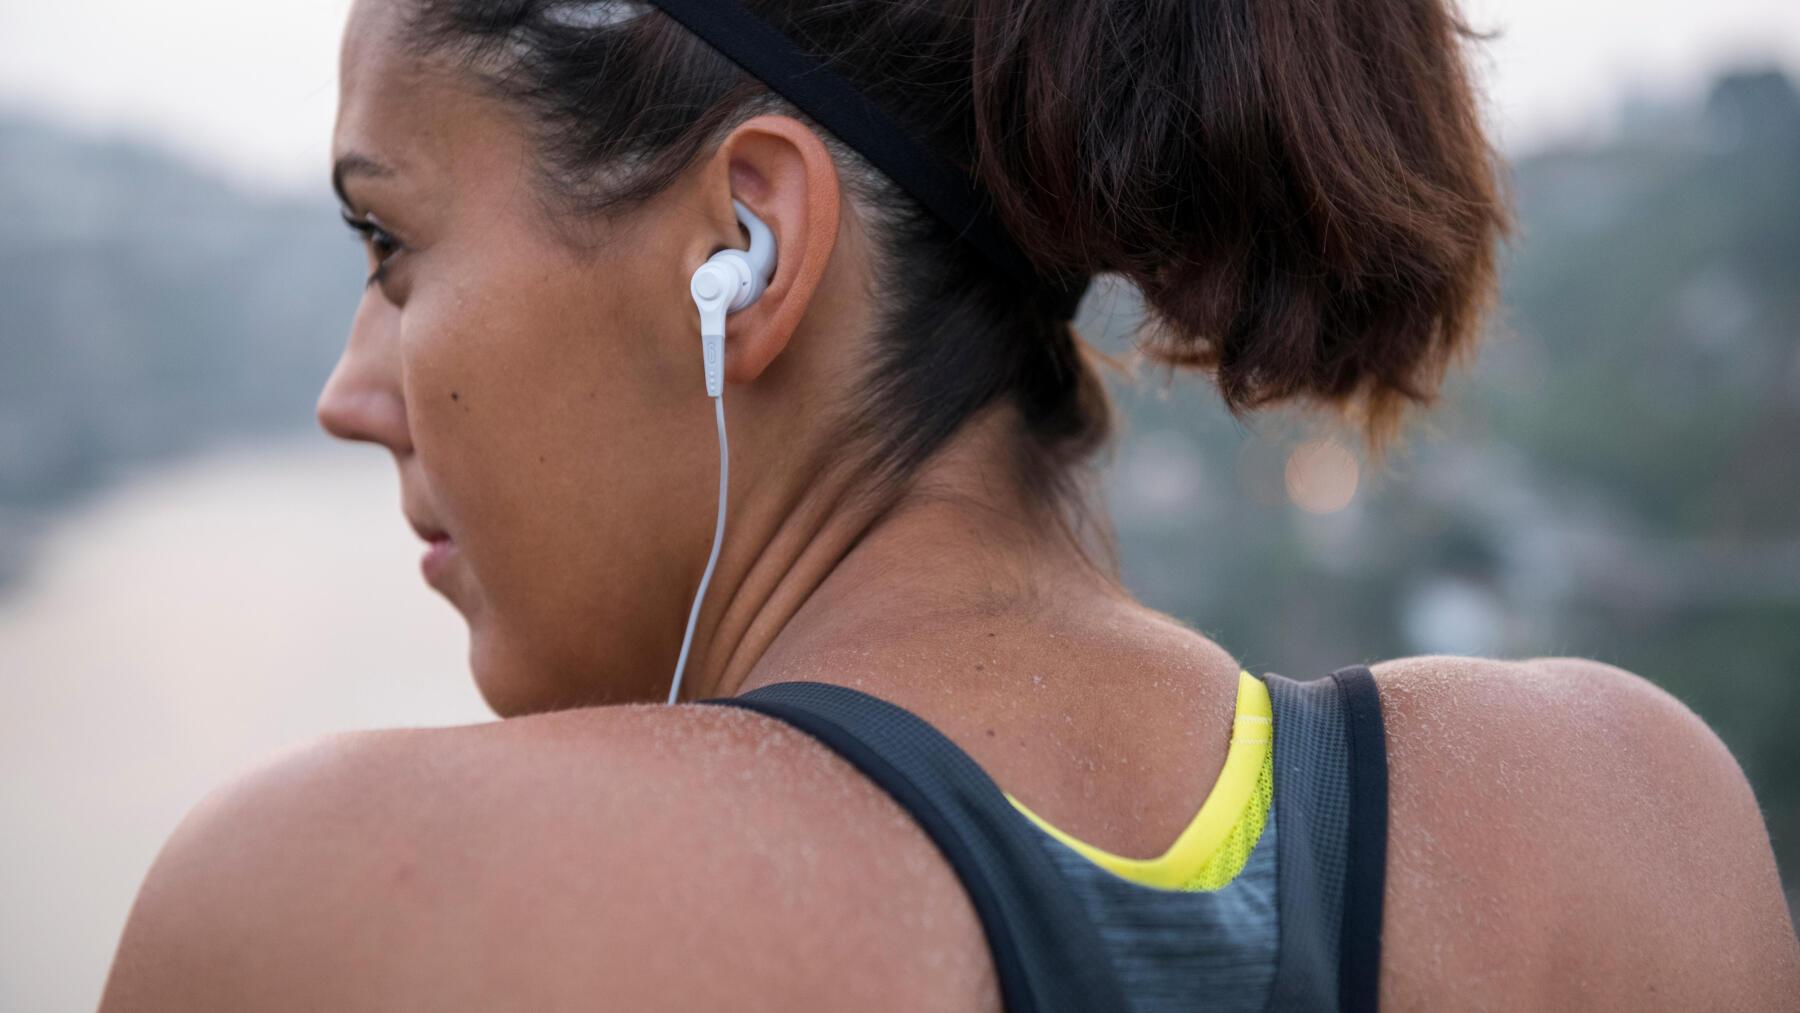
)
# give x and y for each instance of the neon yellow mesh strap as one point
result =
(1215, 846)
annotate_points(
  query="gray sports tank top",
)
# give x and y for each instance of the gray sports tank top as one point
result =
(1298, 929)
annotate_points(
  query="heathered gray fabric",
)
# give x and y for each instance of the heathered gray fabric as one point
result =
(1312, 803)
(1185, 951)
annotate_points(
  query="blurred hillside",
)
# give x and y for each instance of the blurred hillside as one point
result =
(1614, 477)
(146, 310)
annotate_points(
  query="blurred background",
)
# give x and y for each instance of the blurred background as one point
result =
(193, 577)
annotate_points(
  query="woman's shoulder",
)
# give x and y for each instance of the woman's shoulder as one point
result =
(1563, 833)
(619, 857)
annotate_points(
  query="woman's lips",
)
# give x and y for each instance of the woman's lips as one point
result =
(437, 558)
(440, 551)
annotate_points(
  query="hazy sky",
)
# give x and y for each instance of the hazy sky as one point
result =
(250, 84)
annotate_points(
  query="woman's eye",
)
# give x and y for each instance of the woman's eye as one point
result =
(380, 242)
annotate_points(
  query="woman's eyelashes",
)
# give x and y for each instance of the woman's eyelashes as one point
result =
(379, 242)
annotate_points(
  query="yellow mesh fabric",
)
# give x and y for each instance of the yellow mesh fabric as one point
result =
(1228, 861)
(1213, 848)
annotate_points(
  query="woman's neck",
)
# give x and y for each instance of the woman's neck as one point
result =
(840, 571)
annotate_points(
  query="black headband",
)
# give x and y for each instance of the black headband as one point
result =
(771, 57)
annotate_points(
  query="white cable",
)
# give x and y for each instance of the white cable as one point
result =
(687, 640)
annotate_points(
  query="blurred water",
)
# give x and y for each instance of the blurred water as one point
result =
(184, 626)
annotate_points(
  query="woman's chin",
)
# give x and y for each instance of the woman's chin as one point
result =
(500, 678)
(515, 682)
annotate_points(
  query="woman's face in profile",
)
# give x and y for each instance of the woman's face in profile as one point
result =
(530, 394)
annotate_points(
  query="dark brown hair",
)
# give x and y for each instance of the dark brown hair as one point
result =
(1302, 192)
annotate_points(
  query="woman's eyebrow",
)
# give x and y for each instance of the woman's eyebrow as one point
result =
(354, 164)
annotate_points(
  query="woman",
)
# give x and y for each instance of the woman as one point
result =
(970, 799)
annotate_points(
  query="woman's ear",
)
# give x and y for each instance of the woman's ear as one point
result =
(782, 172)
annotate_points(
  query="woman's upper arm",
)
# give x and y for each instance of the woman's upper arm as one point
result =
(694, 857)
(1565, 831)
(232, 912)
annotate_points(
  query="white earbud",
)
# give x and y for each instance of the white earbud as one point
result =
(729, 281)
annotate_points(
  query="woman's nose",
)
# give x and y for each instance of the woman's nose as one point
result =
(362, 400)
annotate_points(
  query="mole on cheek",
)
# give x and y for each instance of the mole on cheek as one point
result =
(454, 396)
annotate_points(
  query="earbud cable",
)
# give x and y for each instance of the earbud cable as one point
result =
(687, 640)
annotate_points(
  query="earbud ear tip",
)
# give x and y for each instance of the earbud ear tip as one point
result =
(760, 258)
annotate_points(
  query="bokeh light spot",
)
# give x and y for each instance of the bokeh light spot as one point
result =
(1321, 476)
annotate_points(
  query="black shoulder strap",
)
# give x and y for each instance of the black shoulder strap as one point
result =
(1331, 806)
(1365, 872)
(1046, 953)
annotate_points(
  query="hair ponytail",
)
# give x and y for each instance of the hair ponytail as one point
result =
(1303, 192)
